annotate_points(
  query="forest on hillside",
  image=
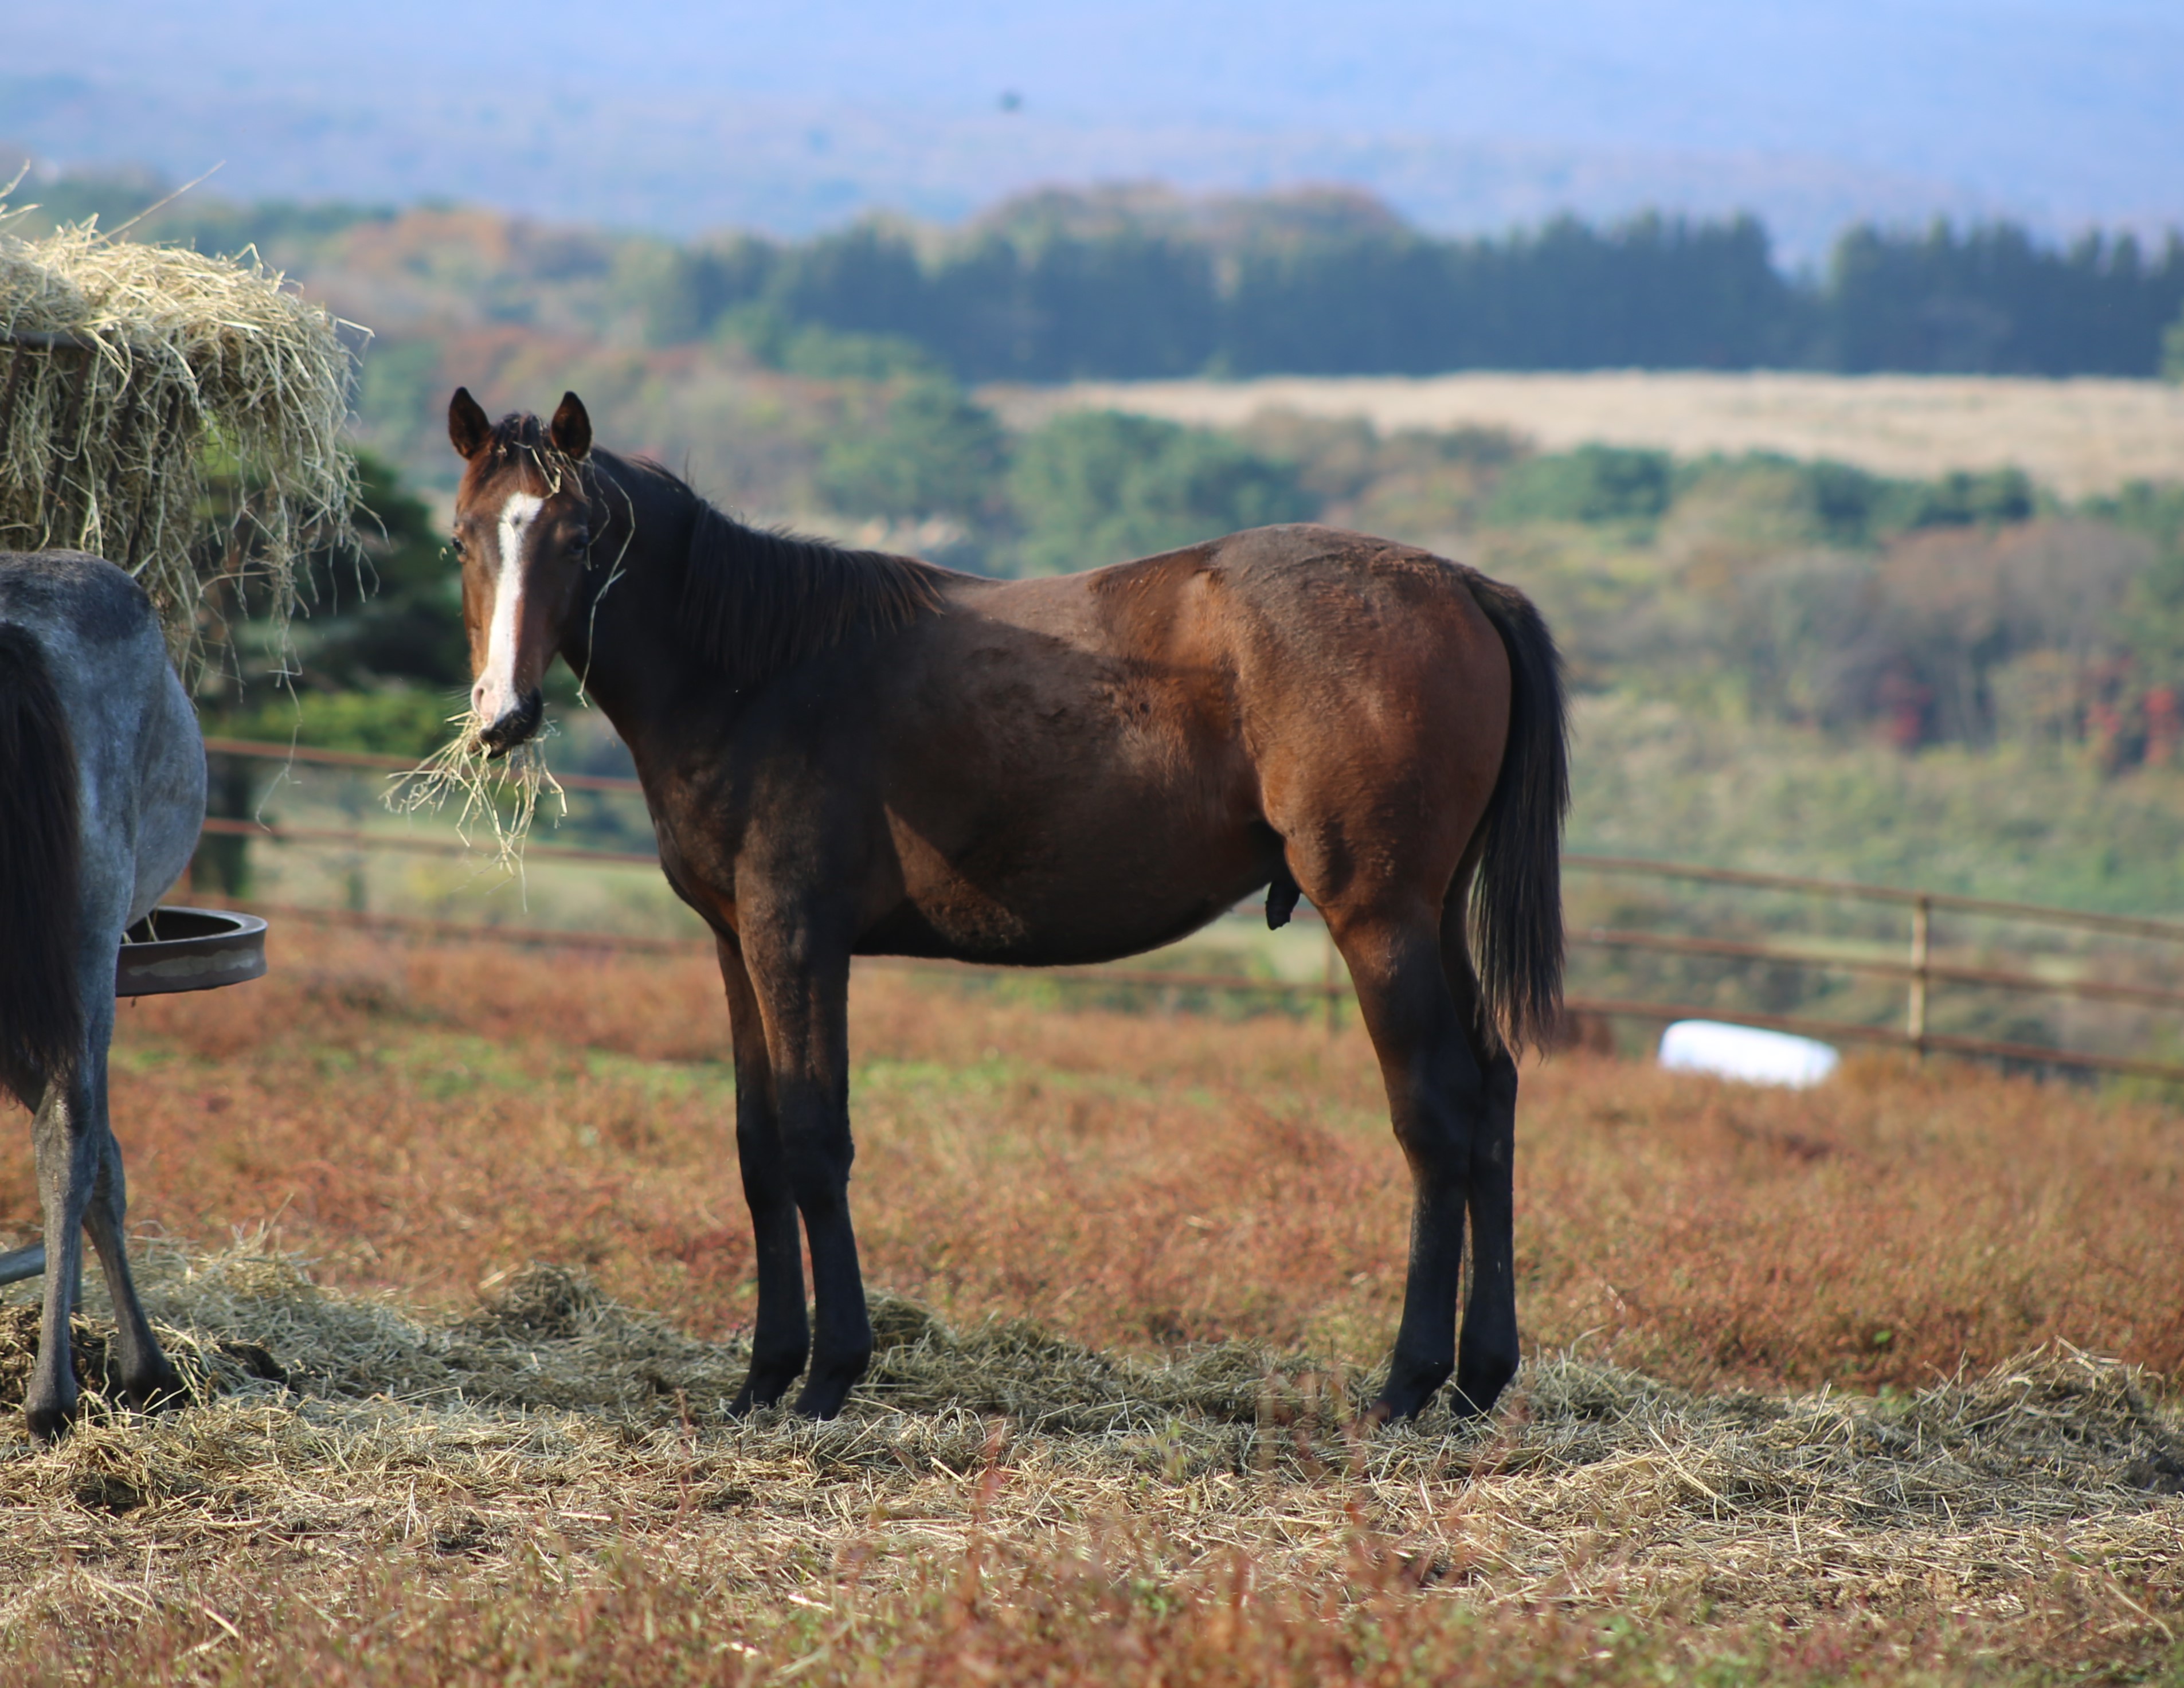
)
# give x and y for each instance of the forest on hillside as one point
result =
(1135, 282)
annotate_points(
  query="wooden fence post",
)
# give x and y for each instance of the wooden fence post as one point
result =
(1327, 986)
(1922, 918)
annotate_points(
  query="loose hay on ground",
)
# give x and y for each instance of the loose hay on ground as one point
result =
(334, 1428)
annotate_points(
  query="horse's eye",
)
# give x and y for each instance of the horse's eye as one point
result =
(456, 540)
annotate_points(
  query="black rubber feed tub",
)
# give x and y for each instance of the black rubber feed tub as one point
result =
(174, 948)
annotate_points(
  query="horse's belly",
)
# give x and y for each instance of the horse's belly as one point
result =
(993, 938)
(1072, 903)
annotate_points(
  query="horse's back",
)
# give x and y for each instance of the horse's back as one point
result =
(1295, 594)
(1309, 646)
(140, 759)
(74, 597)
(1302, 598)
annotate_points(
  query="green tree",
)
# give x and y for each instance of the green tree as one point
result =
(393, 615)
(772, 339)
(1098, 487)
(379, 662)
(2172, 350)
(1595, 483)
(679, 294)
(934, 451)
(402, 380)
(2152, 624)
(1965, 497)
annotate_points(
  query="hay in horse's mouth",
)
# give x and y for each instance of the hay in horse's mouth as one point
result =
(481, 773)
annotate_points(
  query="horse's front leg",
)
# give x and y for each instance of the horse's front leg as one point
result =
(782, 1339)
(803, 984)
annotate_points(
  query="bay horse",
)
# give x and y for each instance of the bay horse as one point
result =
(847, 753)
(104, 778)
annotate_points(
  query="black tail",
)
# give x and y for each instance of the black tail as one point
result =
(41, 1007)
(1516, 892)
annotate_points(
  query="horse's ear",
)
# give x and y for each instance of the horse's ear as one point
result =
(469, 427)
(570, 430)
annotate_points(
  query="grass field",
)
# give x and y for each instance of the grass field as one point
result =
(2079, 437)
(1873, 1380)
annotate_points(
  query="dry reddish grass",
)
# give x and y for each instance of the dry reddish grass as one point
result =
(421, 1118)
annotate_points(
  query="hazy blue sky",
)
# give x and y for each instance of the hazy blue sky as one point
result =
(1465, 114)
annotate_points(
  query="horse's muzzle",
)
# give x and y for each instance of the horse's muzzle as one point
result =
(516, 726)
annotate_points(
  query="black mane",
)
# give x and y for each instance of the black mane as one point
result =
(755, 602)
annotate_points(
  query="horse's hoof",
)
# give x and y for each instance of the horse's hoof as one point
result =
(48, 1422)
(157, 1390)
(763, 1386)
(828, 1389)
(1478, 1386)
(1410, 1389)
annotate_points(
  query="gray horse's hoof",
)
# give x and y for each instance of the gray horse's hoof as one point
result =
(49, 1421)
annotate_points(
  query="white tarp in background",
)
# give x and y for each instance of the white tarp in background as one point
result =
(1745, 1053)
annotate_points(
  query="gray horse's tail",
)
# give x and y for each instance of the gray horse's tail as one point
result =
(41, 854)
(1516, 895)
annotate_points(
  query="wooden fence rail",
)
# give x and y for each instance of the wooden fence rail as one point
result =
(1917, 969)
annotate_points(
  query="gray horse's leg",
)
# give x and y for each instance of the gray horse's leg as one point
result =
(68, 1156)
(81, 1188)
(146, 1377)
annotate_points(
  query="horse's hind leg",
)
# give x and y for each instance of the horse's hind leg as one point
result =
(144, 1375)
(80, 1188)
(782, 1339)
(68, 1159)
(1488, 1355)
(70, 1137)
(1439, 1098)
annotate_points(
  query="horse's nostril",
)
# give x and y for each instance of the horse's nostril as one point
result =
(516, 725)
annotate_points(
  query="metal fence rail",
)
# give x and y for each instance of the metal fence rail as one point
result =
(1915, 964)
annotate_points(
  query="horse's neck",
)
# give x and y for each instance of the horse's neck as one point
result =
(621, 642)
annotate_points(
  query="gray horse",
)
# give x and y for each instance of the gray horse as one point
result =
(102, 796)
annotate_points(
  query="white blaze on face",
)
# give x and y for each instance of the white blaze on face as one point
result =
(495, 695)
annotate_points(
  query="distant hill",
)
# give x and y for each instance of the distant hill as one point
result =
(1464, 114)
(1146, 281)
